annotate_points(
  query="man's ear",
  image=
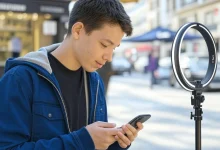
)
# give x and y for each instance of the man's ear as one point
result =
(76, 29)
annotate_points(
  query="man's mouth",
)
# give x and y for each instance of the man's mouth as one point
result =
(99, 65)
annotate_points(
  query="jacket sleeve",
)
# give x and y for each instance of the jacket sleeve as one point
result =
(116, 146)
(16, 119)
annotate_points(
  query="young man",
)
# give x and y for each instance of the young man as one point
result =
(54, 99)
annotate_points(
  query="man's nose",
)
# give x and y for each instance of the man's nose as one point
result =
(108, 56)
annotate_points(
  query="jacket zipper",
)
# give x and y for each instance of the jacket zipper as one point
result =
(60, 98)
(87, 98)
(96, 101)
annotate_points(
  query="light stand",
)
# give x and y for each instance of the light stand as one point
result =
(196, 87)
(196, 99)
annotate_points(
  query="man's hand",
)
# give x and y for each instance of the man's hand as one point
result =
(128, 135)
(103, 134)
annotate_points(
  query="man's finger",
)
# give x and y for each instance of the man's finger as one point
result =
(140, 126)
(106, 124)
(112, 131)
(132, 129)
(120, 142)
(131, 135)
(124, 138)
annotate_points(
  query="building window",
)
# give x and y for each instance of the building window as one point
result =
(210, 21)
(209, 18)
(187, 2)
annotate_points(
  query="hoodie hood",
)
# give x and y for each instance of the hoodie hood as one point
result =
(37, 60)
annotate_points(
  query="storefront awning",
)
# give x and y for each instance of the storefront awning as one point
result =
(159, 34)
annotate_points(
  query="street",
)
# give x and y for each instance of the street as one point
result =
(170, 126)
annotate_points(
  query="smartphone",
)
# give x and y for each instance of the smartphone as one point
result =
(140, 118)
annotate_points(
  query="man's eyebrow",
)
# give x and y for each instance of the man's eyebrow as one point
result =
(112, 43)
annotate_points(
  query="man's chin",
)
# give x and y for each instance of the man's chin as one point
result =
(91, 69)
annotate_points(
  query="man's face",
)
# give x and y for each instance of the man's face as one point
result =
(95, 49)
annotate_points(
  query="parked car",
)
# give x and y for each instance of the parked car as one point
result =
(120, 65)
(163, 71)
(141, 64)
(197, 69)
(184, 63)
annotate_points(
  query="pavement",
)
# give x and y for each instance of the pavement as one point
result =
(170, 127)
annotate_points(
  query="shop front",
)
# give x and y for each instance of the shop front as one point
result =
(35, 23)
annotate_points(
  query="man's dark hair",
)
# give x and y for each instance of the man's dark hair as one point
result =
(95, 13)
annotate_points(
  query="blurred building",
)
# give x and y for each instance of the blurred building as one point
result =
(138, 13)
(36, 22)
(202, 11)
(172, 14)
(175, 13)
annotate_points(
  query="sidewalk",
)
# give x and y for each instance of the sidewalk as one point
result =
(170, 127)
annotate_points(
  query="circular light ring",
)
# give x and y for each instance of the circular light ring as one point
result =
(175, 57)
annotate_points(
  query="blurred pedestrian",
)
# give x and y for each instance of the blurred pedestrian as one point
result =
(15, 45)
(54, 99)
(153, 66)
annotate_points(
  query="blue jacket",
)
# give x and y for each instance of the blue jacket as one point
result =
(32, 110)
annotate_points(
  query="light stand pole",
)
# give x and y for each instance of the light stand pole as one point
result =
(196, 99)
(196, 87)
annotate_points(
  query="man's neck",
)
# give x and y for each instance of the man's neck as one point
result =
(65, 54)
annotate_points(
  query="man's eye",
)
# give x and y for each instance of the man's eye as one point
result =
(103, 45)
